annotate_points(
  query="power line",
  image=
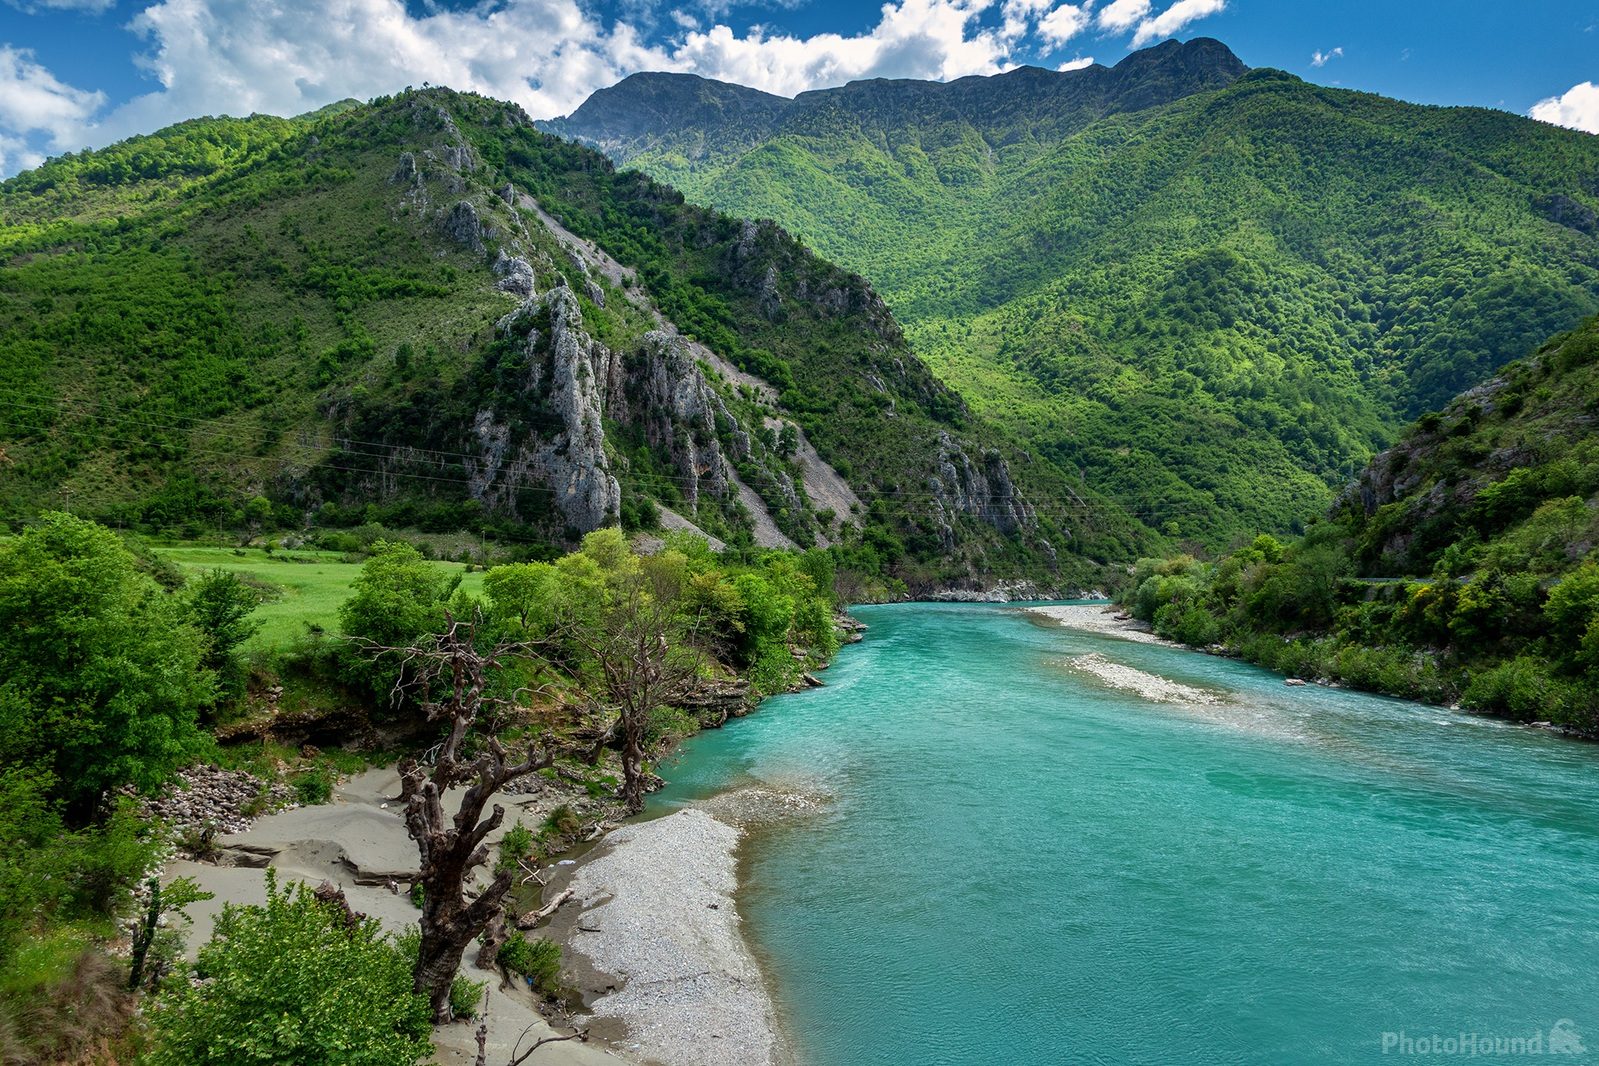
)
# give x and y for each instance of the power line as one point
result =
(888, 502)
(413, 455)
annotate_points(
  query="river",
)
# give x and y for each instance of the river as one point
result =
(1016, 863)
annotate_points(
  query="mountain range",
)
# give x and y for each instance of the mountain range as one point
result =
(423, 312)
(1211, 292)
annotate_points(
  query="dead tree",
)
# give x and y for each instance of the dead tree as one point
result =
(454, 675)
(641, 649)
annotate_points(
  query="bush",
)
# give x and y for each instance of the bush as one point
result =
(296, 982)
(1187, 624)
(516, 844)
(1521, 688)
(50, 876)
(538, 960)
(466, 996)
(100, 672)
(220, 605)
(313, 786)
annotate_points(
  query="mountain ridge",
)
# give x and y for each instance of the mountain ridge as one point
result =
(669, 96)
(1214, 307)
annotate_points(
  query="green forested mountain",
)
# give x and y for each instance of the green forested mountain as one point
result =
(1463, 564)
(1212, 291)
(424, 312)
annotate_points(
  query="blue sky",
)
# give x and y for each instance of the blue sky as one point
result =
(77, 73)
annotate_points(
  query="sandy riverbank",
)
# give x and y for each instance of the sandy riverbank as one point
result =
(652, 936)
(1099, 618)
(359, 843)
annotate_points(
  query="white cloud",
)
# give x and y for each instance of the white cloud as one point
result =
(1063, 23)
(936, 39)
(1577, 107)
(92, 7)
(38, 111)
(1076, 64)
(289, 56)
(1121, 15)
(1019, 15)
(1320, 58)
(1174, 18)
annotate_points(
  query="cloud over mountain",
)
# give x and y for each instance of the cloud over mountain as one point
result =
(291, 56)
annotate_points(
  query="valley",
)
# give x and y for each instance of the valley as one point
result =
(1010, 559)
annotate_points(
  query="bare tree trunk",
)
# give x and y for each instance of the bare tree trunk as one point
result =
(451, 849)
(494, 938)
(633, 763)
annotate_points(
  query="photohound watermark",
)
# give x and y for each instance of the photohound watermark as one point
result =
(1560, 1038)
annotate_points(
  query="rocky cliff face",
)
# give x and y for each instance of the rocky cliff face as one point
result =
(1508, 469)
(567, 371)
(585, 401)
(982, 490)
(668, 397)
(538, 444)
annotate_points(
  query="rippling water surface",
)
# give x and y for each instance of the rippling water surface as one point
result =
(1019, 864)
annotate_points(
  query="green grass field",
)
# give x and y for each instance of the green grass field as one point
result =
(313, 584)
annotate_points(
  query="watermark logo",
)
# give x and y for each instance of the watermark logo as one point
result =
(1561, 1038)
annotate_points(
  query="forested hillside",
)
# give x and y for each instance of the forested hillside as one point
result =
(1215, 292)
(1463, 565)
(424, 312)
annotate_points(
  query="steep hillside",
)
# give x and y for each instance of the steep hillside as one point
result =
(1212, 291)
(1504, 477)
(1463, 564)
(424, 312)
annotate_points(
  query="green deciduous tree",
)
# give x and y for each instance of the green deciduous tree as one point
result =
(100, 670)
(221, 606)
(398, 598)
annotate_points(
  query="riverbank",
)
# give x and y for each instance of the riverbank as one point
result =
(359, 843)
(653, 941)
(1101, 618)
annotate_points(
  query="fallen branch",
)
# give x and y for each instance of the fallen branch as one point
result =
(528, 921)
(581, 1036)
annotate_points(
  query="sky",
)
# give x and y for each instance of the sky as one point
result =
(85, 73)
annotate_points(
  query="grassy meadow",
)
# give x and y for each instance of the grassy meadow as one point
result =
(303, 588)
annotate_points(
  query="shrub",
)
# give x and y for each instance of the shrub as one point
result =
(100, 672)
(314, 786)
(466, 996)
(1521, 688)
(296, 982)
(538, 960)
(516, 844)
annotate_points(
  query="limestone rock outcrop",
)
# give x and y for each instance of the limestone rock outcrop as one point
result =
(982, 490)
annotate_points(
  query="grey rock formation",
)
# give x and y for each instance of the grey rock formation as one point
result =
(983, 491)
(679, 412)
(463, 226)
(568, 370)
(459, 157)
(515, 274)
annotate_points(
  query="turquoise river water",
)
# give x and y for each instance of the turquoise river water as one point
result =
(1017, 864)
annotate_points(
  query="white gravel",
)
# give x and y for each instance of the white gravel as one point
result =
(660, 918)
(1151, 687)
(1098, 618)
